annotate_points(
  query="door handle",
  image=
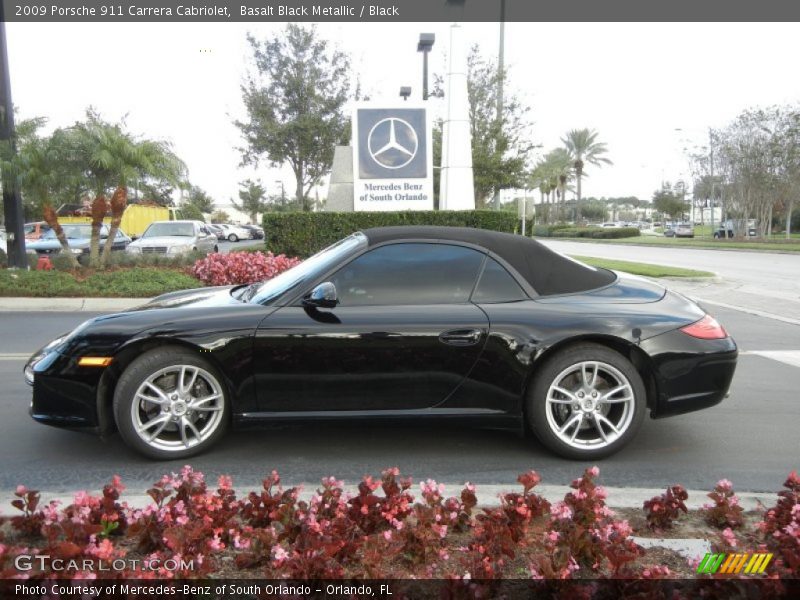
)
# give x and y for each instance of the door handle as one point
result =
(461, 337)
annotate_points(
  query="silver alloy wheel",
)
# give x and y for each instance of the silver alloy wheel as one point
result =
(590, 405)
(177, 407)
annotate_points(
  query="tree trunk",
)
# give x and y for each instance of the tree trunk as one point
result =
(118, 202)
(789, 218)
(99, 210)
(299, 194)
(51, 219)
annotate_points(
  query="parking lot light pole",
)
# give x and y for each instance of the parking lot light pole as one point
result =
(426, 41)
(12, 203)
(405, 92)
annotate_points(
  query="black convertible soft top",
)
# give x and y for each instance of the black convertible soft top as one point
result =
(548, 272)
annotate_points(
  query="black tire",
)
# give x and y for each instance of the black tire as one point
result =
(537, 408)
(125, 405)
(233, 238)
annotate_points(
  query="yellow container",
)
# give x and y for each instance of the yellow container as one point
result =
(135, 219)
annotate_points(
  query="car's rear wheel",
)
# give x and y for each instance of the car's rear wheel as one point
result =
(170, 403)
(586, 402)
(233, 238)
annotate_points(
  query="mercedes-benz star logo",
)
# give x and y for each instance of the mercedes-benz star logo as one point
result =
(392, 143)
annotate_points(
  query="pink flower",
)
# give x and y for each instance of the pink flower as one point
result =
(279, 554)
(729, 537)
(553, 536)
(561, 511)
(387, 535)
(725, 485)
(21, 490)
(594, 471)
(225, 482)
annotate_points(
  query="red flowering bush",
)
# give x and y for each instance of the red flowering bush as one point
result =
(662, 510)
(781, 526)
(379, 532)
(725, 511)
(241, 267)
(583, 533)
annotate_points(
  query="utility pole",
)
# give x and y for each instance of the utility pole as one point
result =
(501, 75)
(426, 41)
(12, 203)
(711, 171)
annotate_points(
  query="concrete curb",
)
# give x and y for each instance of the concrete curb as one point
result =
(618, 497)
(69, 304)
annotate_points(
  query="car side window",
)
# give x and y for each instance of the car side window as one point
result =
(411, 273)
(496, 285)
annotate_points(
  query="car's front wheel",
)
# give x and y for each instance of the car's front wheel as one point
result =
(586, 402)
(170, 403)
(233, 238)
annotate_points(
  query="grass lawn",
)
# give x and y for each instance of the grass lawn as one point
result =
(645, 269)
(653, 240)
(121, 283)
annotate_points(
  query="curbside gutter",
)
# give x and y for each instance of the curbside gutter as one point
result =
(69, 304)
(618, 497)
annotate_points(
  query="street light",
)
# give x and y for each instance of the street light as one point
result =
(426, 41)
(283, 193)
(405, 92)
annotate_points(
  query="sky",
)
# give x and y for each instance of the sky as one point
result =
(649, 89)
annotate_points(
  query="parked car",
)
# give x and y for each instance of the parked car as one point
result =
(256, 232)
(684, 230)
(234, 233)
(33, 231)
(217, 231)
(79, 240)
(417, 322)
(723, 232)
(669, 231)
(174, 237)
(612, 225)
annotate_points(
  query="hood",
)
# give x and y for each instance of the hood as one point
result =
(54, 244)
(167, 240)
(195, 298)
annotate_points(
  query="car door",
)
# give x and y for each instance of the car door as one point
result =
(205, 239)
(403, 336)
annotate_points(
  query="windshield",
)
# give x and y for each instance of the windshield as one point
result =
(169, 229)
(73, 232)
(308, 270)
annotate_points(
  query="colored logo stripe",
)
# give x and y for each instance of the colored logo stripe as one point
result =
(734, 563)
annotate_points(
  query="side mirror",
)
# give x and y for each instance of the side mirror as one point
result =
(322, 296)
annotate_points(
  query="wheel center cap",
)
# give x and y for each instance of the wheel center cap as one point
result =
(588, 405)
(179, 408)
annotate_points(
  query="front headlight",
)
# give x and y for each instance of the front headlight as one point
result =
(178, 249)
(133, 250)
(76, 250)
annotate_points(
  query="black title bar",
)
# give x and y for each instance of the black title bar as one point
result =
(399, 10)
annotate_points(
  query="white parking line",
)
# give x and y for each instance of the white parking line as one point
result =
(15, 356)
(789, 357)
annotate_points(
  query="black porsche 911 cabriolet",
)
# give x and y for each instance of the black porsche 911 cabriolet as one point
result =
(422, 322)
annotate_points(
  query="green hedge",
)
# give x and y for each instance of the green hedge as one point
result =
(304, 233)
(548, 230)
(604, 233)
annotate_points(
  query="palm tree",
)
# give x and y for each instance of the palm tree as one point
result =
(115, 159)
(557, 166)
(584, 149)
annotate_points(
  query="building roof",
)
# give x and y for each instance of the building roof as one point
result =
(547, 271)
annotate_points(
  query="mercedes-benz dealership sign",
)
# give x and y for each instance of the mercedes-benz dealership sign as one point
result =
(393, 159)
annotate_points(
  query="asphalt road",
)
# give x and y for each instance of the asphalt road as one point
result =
(226, 247)
(751, 438)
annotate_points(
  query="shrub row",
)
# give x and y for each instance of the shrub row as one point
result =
(548, 230)
(380, 532)
(304, 233)
(601, 233)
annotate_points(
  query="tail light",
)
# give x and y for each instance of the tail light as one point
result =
(706, 328)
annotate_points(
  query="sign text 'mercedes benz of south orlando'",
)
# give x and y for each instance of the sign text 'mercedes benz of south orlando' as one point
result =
(392, 158)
